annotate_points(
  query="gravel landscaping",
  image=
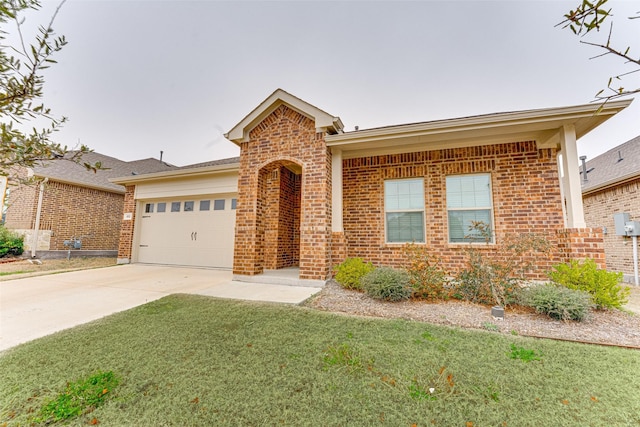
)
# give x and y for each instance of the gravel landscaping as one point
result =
(613, 327)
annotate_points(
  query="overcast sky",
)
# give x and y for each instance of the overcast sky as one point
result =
(138, 77)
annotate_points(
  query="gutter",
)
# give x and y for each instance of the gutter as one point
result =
(182, 173)
(616, 181)
(36, 228)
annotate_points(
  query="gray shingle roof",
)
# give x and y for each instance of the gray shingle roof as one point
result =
(230, 160)
(70, 172)
(618, 164)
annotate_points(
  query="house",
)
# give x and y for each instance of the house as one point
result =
(611, 185)
(305, 193)
(73, 205)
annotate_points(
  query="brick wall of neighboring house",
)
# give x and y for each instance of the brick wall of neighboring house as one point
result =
(599, 208)
(125, 244)
(71, 211)
(526, 198)
(283, 140)
(68, 211)
(21, 210)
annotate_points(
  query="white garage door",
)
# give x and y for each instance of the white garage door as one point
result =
(192, 232)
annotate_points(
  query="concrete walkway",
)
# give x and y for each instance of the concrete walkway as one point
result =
(33, 307)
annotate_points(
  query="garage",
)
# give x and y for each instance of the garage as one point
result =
(185, 217)
(190, 232)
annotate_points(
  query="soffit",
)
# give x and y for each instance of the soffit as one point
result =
(542, 126)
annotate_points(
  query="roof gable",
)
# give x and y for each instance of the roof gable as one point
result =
(323, 120)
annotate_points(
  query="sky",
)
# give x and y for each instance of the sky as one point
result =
(138, 77)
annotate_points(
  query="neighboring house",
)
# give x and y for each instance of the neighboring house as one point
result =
(75, 204)
(305, 193)
(612, 185)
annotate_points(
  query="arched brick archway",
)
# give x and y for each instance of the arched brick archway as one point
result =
(278, 216)
(284, 197)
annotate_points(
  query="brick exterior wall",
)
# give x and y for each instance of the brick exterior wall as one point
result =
(599, 208)
(284, 140)
(126, 226)
(21, 212)
(526, 198)
(69, 211)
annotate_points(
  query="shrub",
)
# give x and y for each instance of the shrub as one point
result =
(558, 302)
(495, 274)
(603, 286)
(387, 284)
(427, 278)
(350, 271)
(11, 243)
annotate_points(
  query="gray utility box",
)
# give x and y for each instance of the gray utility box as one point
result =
(620, 220)
(632, 228)
(624, 227)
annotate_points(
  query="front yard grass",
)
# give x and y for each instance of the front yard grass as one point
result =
(190, 360)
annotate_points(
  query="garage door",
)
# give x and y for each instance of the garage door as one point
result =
(193, 232)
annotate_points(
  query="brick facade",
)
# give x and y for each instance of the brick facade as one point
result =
(284, 142)
(599, 208)
(525, 189)
(125, 245)
(69, 211)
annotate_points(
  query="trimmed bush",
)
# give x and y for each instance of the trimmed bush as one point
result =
(558, 302)
(350, 271)
(603, 286)
(427, 277)
(387, 284)
(10, 243)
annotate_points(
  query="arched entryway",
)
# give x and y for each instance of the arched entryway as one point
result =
(278, 214)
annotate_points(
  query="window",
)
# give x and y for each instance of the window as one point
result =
(468, 201)
(234, 203)
(188, 206)
(218, 205)
(404, 210)
(205, 205)
(162, 207)
(175, 206)
(148, 208)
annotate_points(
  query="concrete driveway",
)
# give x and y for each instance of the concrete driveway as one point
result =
(33, 307)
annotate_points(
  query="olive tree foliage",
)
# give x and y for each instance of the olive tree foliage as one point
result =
(21, 90)
(593, 15)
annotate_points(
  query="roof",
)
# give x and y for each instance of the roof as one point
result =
(323, 120)
(541, 125)
(618, 165)
(229, 165)
(73, 173)
(229, 161)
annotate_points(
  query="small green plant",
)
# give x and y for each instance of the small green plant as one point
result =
(387, 284)
(558, 302)
(524, 354)
(78, 398)
(604, 286)
(427, 277)
(350, 271)
(420, 393)
(342, 355)
(11, 243)
(491, 327)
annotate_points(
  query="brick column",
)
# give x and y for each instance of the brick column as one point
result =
(126, 228)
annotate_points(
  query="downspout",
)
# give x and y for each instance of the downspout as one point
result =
(34, 240)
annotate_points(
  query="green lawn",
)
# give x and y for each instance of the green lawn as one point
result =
(189, 360)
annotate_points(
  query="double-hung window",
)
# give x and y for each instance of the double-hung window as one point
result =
(404, 210)
(469, 203)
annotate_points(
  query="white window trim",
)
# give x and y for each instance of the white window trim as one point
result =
(385, 211)
(490, 209)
